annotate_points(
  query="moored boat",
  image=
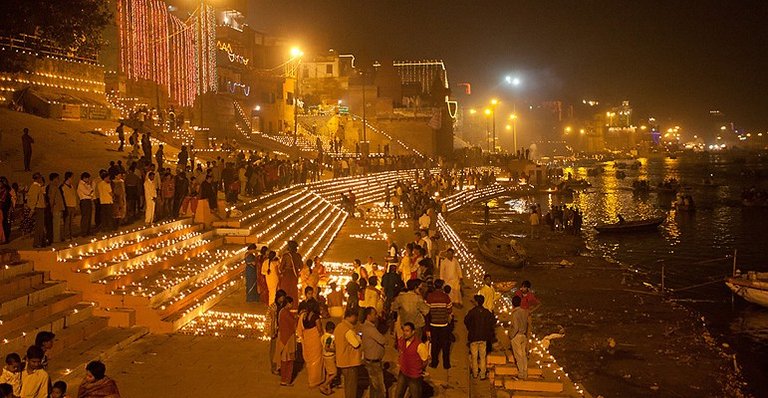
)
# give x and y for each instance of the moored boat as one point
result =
(752, 287)
(500, 251)
(631, 226)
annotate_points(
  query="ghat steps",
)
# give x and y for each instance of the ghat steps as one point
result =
(30, 302)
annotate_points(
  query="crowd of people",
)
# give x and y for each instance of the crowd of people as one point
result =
(568, 219)
(339, 332)
(28, 377)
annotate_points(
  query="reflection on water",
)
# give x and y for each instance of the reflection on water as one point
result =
(687, 241)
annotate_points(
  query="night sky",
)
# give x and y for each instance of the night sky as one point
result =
(674, 60)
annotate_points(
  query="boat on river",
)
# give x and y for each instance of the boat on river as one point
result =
(500, 251)
(752, 287)
(631, 226)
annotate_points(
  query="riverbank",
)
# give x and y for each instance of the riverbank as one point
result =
(622, 339)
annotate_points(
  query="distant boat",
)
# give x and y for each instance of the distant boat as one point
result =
(753, 287)
(631, 226)
(500, 251)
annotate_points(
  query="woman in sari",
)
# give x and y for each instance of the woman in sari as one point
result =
(285, 351)
(269, 268)
(261, 280)
(311, 345)
(96, 384)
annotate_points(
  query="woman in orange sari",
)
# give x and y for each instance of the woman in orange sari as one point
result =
(311, 345)
(285, 352)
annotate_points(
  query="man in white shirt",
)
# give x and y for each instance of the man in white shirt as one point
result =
(104, 193)
(489, 293)
(424, 222)
(425, 242)
(85, 194)
(150, 193)
(36, 203)
(34, 379)
(450, 272)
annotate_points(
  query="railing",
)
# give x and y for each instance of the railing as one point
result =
(36, 46)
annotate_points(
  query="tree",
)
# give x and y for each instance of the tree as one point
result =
(75, 26)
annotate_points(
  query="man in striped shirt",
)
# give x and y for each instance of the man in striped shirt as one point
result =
(440, 318)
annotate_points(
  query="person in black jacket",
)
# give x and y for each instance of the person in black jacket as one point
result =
(207, 192)
(481, 325)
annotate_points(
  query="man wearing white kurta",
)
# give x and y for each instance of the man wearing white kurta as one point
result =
(150, 193)
(450, 272)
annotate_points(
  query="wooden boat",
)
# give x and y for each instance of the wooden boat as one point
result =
(499, 250)
(631, 226)
(681, 207)
(577, 184)
(621, 174)
(752, 287)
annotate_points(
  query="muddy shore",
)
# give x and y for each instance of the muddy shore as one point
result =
(622, 339)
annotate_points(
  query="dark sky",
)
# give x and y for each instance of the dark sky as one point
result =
(673, 59)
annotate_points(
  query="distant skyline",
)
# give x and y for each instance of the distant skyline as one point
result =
(673, 60)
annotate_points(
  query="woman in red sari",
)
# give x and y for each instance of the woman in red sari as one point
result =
(285, 352)
(96, 384)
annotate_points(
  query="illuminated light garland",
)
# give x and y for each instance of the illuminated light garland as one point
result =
(157, 46)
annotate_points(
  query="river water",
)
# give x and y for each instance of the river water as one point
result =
(693, 247)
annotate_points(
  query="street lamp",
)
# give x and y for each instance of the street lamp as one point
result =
(487, 113)
(513, 118)
(494, 102)
(296, 55)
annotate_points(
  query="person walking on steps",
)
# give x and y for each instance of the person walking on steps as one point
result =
(26, 145)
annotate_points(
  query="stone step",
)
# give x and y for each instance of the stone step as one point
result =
(169, 283)
(129, 245)
(533, 385)
(327, 233)
(8, 256)
(131, 275)
(41, 313)
(272, 209)
(275, 221)
(252, 206)
(70, 327)
(147, 255)
(202, 303)
(291, 228)
(69, 364)
(21, 282)
(108, 243)
(12, 302)
(11, 269)
(511, 370)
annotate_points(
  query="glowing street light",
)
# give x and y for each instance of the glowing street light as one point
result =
(472, 111)
(568, 129)
(487, 112)
(296, 52)
(494, 101)
(515, 81)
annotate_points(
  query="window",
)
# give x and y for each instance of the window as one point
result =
(329, 69)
